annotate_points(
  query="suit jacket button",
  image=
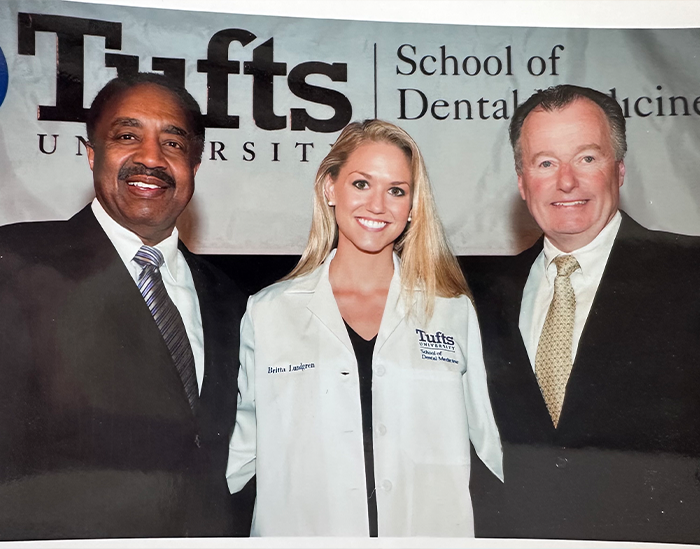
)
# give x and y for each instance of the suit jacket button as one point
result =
(561, 462)
(197, 442)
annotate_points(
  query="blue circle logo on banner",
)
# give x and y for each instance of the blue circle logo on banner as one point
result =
(4, 78)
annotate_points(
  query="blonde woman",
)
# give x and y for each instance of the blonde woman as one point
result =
(362, 380)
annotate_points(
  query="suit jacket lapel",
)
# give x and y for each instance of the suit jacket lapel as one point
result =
(601, 322)
(116, 309)
(221, 306)
(209, 322)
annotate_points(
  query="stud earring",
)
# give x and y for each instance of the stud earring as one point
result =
(331, 203)
(409, 218)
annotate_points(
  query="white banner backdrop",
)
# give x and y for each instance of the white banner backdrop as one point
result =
(289, 85)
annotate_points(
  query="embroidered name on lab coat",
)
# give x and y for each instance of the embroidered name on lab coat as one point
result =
(437, 346)
(290, 368)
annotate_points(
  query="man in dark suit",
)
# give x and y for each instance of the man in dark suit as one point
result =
(591, 343)
(118, 346)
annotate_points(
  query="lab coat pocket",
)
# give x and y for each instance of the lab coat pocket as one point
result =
(436, 426)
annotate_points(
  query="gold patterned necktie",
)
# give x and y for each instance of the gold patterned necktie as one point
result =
(553, 360)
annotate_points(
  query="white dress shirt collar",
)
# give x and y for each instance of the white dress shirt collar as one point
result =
(539, 287)
(128, 243)
(592, 257)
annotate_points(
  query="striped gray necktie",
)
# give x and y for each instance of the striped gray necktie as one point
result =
(167, 318)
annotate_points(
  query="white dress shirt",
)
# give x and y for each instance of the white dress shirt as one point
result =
(176, 277)
(539, 288)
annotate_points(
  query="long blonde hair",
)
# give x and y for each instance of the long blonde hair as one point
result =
(427, 264)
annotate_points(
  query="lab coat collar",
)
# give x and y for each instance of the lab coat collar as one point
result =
(323, 304)
(394, 310)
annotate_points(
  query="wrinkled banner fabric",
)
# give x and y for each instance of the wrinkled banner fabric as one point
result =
(276, 91)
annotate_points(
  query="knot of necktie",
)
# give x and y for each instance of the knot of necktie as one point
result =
(566, 265)
(148, 255)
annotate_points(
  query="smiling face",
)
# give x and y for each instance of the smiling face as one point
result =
(570, 178)
(141, 161)
(372, 196)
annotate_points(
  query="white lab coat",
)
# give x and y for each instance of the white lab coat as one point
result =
(299, 422)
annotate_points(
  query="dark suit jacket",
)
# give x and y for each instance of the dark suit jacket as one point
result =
(97, 438)
(623, 463)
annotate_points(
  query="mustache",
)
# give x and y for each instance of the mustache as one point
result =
(128, 171)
